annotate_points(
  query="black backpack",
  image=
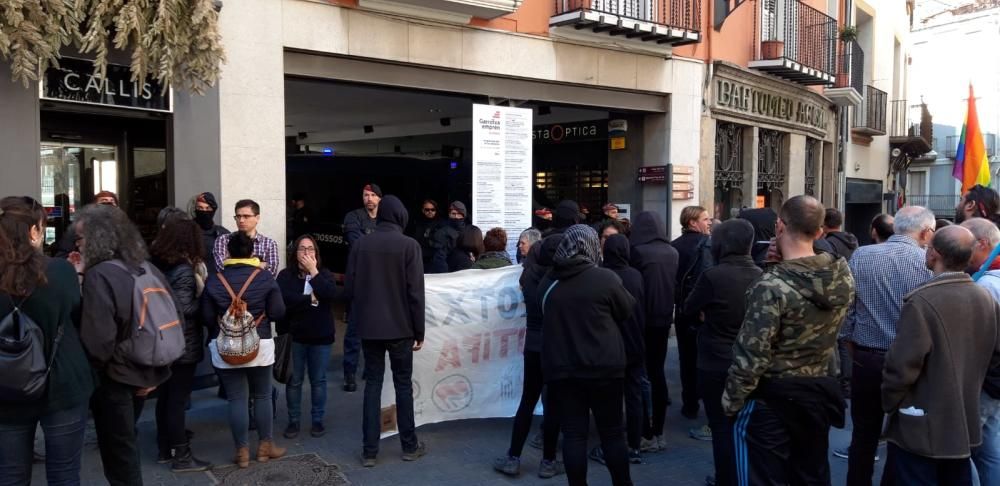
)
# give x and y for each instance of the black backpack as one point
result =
(22, 356)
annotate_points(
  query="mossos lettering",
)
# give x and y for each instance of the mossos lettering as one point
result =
(736, 96)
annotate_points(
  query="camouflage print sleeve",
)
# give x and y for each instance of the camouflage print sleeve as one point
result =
(752, 351)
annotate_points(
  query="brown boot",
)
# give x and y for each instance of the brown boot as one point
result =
(242, 458)
(267, 450)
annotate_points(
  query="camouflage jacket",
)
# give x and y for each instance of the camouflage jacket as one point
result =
(794, 312)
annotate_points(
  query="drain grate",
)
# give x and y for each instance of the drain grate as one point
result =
(300, 470)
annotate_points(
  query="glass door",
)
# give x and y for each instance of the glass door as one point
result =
(71, 175)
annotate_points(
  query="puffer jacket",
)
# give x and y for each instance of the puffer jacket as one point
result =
(182, 282)
(263, 297)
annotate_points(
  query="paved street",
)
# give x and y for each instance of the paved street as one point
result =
(460, 453)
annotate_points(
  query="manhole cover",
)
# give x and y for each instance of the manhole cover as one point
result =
(301, 470)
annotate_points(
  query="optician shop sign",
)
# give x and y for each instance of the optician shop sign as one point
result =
(75, 81)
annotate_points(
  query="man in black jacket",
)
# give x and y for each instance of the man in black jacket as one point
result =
(692, 249)
(842, 242)
(388, 308)
(205, 207)
(657, 261)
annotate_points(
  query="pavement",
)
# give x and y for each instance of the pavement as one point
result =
(459, 453)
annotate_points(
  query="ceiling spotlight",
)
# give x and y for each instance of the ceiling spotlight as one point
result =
(369, 129)
(435, 110)
(303, 135)
(445, 122)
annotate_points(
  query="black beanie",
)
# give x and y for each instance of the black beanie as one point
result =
(373, 188)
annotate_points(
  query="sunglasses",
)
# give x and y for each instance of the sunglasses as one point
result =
(430, 210)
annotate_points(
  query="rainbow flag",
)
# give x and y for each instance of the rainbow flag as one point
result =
(972, 166)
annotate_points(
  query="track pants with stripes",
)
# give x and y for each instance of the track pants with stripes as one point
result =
(781, 446)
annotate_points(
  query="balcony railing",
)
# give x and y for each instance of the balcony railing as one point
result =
(798, 42)
(941, 205)
(899, 124)
(869, 118)
(851, 66)
(671, 22)
(951, 146)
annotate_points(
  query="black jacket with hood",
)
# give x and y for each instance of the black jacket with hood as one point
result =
(843, 243)
(182, 282)
(385, 279)
(694, 256)
(536, 265)
(616, 259)
(720, 294)
(654, 257)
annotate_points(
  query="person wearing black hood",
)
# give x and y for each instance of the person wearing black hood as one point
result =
(693, 259)
(584, 311)
(843, 243)
(204, 208)
(455, 245)
(424, 228)
(764, 221)
(654, 257)
(567, 214)
(536, 265)
(718, 296)
(385, 283)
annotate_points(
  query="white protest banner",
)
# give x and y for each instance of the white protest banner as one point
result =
(471, 365)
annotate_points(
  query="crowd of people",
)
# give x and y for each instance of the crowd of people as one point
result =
(779, 318)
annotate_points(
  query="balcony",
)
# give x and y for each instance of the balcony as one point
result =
(911, 133)
(456, 11)
(798, 42)
(941, 205)
(869, 118)
(951, 146)
(849, 85)
(659, 24)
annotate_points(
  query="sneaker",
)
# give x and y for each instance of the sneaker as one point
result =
(634, 456)
(537, 441)
(548, 469)
(317, 430)
(649, 445)
(701, 433)
(597, 455)
(292, 431)
(368, 462)
(350, 385)
(508, 465)
(185, 462)
(661, 442)
(417, 453)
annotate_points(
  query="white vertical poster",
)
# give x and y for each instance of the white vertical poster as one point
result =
(501, 170)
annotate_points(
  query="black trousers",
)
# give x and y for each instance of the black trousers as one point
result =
(114, 413)
(636, 418)
(768, 453)
(530, 393)
(867, 416)
(656, 356)
(171, 404)
(687, 355)
(914, 470)
(577, 399)
(401, 361)
(710, 385)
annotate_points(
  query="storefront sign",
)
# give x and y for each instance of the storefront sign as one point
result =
(75, 81)
(501, 170)
(745, 98)
(569, 132)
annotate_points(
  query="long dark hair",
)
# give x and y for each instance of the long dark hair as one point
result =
(109, 235)
(471, 241)
(178, 241)
(22, 266)
(293, 252)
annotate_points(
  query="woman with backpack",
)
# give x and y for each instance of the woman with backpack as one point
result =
(46, 295)
(176, 251)
(309, 292)
(239, 304)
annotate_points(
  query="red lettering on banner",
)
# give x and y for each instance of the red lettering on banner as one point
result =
(472, 344)
(504, 336)
(449, 356)
(479, 347)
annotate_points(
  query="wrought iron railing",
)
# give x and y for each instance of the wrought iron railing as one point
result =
(682, 14)
(851, 66)
(941, 205)
(898, 123)
(871, 113)
(806, 35)
(951, 146)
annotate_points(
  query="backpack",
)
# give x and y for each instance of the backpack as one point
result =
(157, 337)
(238, 341)
(22, 356)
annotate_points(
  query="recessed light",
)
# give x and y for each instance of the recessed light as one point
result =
(435, 110)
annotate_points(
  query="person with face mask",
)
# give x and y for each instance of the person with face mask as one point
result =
(203, 209)
(446, 239)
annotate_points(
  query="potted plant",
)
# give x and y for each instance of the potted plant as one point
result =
(848, 33)
(772, 49)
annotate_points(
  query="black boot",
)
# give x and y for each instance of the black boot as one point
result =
(184, 461)
(349, 384)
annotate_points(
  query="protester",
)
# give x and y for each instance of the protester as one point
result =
(385, 280)
(779, 386)
(694, 257)
(941, 223)
(536, 265)
(883, 275)
(527, 239)
(447, 238)
(424, 228)
(176, 250)
(468, 249)
(362, 221)
(204, 208)
(66, 247)
(566, 214)
(654, 257)
(979, 202)
(843, 243)
(987, 455)
(935, 369)
(242, 278)
(609, 227)
(585, 308)
(44, 290)
(882, 228)
(247, 218)
(764, 221)
(610, 211)
(309, 291)
(495, 256)
(114, 255)
(302, 217)
(616, 258)
(718, 296)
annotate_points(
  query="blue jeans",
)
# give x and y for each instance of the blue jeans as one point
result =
(401, 360)
(238, 382)
(987, 456)
(352, 348)
(314, 359)
(63, 446)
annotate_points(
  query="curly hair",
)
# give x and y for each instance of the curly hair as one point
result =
(109, 235)
(178, 241)
(22, 266)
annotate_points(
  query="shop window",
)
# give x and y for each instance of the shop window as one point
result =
(588, 187)
(812, 166)
(729, 170)
(771, 168)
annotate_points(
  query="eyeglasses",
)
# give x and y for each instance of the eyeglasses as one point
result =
(430, 210)
(241, 217)
(307, 249)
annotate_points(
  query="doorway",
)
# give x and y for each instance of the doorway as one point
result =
(68, 172)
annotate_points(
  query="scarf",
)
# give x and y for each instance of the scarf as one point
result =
(580, 241)
(253, 262)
